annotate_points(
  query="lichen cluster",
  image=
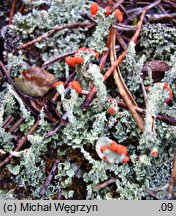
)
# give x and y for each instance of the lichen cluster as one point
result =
(80, 170)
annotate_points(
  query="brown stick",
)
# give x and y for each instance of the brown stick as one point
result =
(116, 5)
(54, 30)
(123, 90)
(20, 143)
(16, 125)
(104, 184)
(139, 10)
(6, 121)
(167, 119)
(124, 27)
(12, 11)
(157, 17)
(48, 180)
(121, 41)
(22, 8)
(56, 58)
(9, 122)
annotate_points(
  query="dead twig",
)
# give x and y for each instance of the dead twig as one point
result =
(16, 125)
(7, 121)
(49, 178)
(121, 41)
(137, 11)
(116, 5)
(124, 27)
(22, 8)
(54, 30)
(104, 184)
(123, 90)
(167, 119)
(56, 58)
(158, 17)
(57, 126)
(12, 11)
(20, 143)
(72, 76)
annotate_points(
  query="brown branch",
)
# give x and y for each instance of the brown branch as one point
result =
(167, 119)
(171, 3)
(16, 125)
(49, 178)
(121, 41)
(55, 30)
(72, 76)
(56, 58)
(20, 143)
(137, 11)
(158, 17)
(6, 121)
(12, 11)
(116, 5)
(123, 90)
(104, 184)
(124, 27)
(22, 8)
(6, 74)
(9, 122)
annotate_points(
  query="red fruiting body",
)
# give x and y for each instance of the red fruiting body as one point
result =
(118, 15)
(58, 83)
(154, 153)
(79, 59)
(94, 8)
(113, 146)
(75, 85)
(70, 61)
(121, 149)
(104, 148)
(126, 159)
(97, 54)
(138, 157)
(166, 86)
(148, 88)
(111, 110)
(108, 10)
